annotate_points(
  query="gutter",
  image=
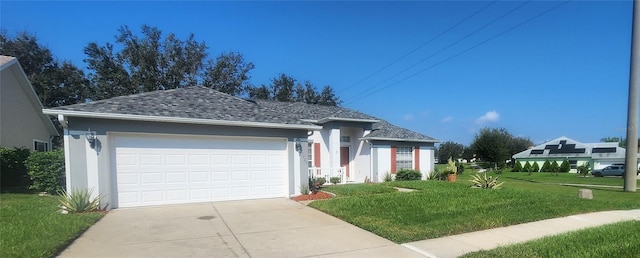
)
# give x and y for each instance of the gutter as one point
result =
(397, 139)
(182, 120)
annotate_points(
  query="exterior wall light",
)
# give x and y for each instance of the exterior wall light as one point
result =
(91, 137)
(298, 145)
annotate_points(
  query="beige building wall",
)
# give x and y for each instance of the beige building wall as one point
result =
(20, 121)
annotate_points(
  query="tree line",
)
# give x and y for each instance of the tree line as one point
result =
(493, 145)
(148, 61)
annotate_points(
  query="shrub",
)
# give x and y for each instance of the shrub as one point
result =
(387, 177)
(320, 181)
(46, 170)
(584, 169)
(460, 169)
(554, 167)
(546, 167)
(14, 172)
(535, 167)
(481, 181)
(527, 167)
(408, 175)
(565, 166)
(517, 167)
(451, 166)
(304, 189)
(435, 174)
(79, 200)
(334, 180)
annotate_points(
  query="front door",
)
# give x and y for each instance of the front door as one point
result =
(344, 160)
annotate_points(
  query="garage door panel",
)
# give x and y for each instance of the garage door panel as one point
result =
(151, 160)
(198, 194)
(220, 159)
(177, 177)
(152, 178)
(152, 196)
(259, 159)
(198, 159)
(160, 170)
(239, 159)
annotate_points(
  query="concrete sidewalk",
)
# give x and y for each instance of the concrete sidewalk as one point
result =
(454, 246)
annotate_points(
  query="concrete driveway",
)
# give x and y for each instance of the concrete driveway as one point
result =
(254, 228)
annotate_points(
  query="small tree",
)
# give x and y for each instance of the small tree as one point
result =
(527, 167)
(517, 167)
(555, 167)
(565, 166)
(535, 167)
(546, 167)
(584, 169)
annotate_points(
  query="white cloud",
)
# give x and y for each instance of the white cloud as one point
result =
(447, 119)
(491, 116)
(408, 117)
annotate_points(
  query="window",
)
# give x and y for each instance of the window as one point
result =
(345, 138)
(573, 163)
(404, 159)
(310, 157)
(40, 145)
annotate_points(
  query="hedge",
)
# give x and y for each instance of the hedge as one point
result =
(14, 172)
(46, 170)
(408, 175)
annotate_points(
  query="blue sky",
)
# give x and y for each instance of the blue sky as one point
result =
(541, 74)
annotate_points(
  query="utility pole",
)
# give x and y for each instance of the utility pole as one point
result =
(631, 158)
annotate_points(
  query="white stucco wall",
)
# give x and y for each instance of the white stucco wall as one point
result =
(426, 161)
(383, 160)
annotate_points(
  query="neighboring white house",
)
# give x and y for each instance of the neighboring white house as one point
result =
(22, 123)
(196, 144)
(599, 154)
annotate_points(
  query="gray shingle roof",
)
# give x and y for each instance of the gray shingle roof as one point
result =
(190, 102)
(204, 103)
(385, 130)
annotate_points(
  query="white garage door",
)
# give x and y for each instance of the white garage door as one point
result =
(153, 170)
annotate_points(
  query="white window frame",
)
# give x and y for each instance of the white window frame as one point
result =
(404, 158)
(310, 156)
(35, 145)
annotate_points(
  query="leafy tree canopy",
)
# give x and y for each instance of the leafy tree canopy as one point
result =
(497, 145)
(286, 88)
(147, 60)
(448, 150)
(57, 83)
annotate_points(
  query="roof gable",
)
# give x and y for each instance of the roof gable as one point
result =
(11, 64)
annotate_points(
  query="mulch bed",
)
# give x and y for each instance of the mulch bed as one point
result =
(309, 197)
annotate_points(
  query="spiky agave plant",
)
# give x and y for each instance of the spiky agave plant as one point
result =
(482, 181)
(79, 200)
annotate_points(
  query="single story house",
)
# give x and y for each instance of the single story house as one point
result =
(196, 144)
(22, 123)
(599, 154)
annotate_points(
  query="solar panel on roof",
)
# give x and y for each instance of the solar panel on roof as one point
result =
(604, 150)
(537, 151)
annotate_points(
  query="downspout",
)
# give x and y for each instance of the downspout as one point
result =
(50, 142)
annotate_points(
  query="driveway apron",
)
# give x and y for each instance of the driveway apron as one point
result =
(253, 228)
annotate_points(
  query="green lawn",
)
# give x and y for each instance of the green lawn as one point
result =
(569, 178)
(615, 240)
(442, 208)
(30, 226)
